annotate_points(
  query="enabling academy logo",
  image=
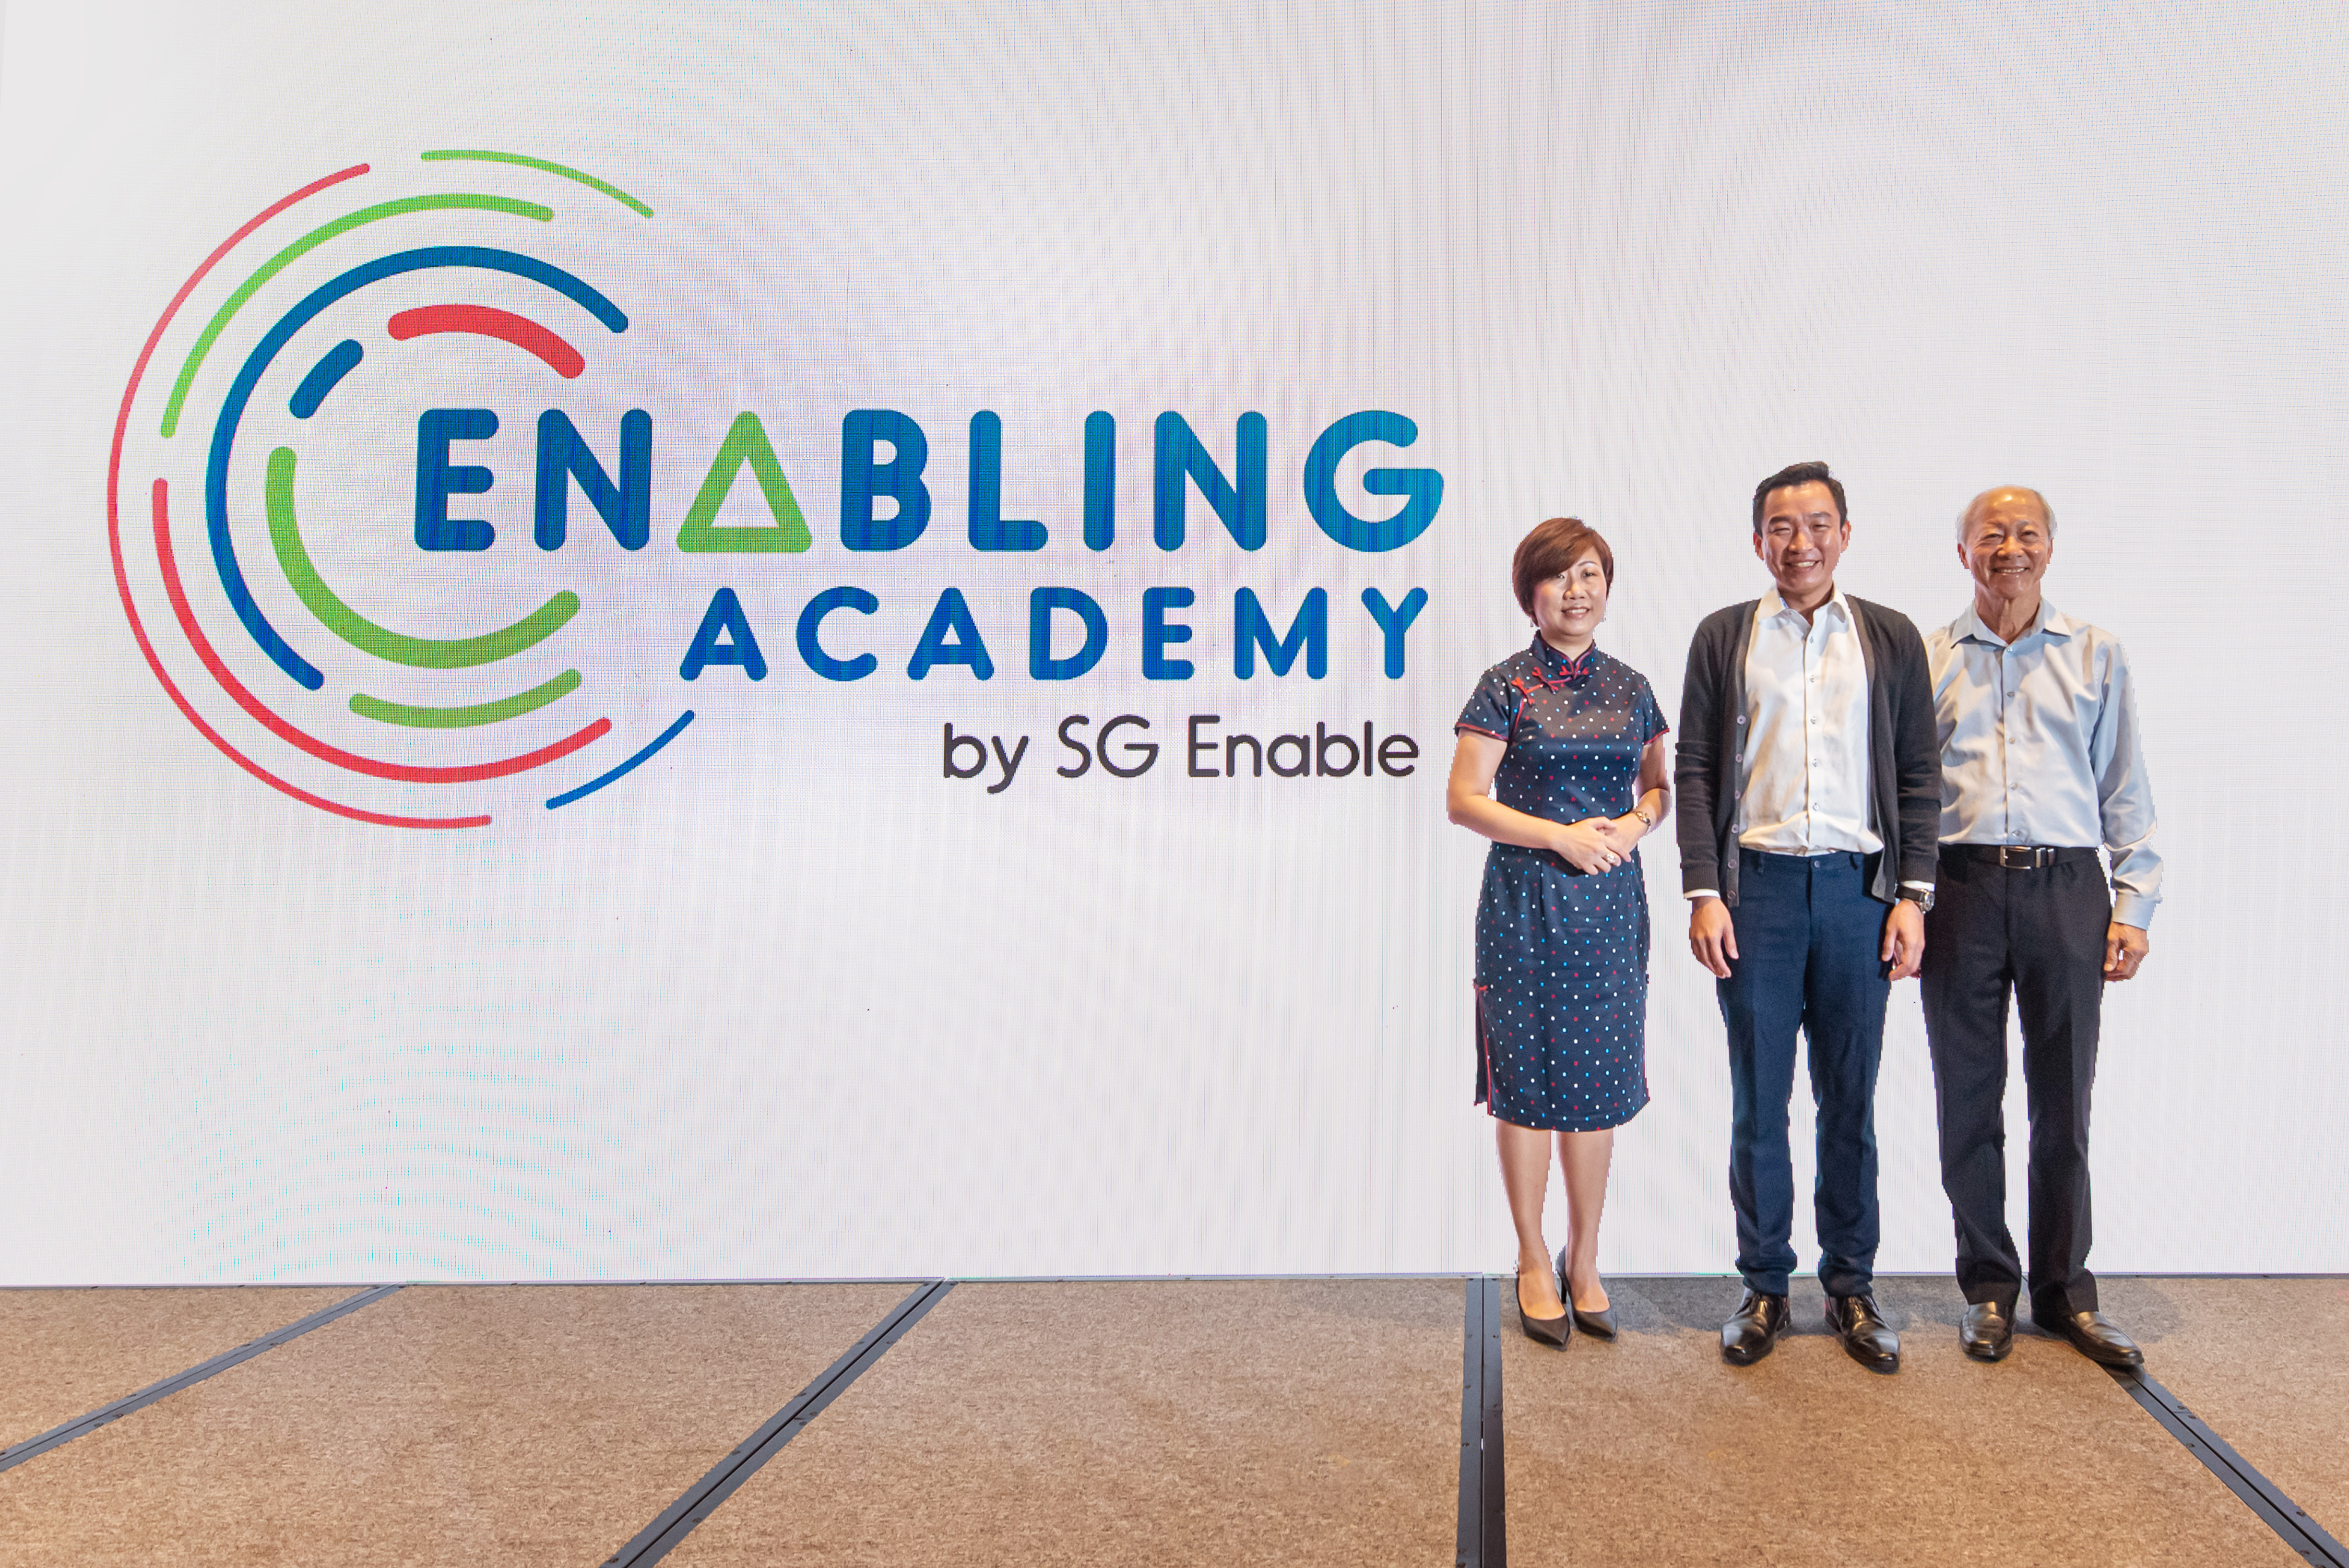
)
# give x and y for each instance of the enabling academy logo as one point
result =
(334, 352)
(178, 482)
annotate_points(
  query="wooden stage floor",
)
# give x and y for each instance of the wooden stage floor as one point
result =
(1223, 1421)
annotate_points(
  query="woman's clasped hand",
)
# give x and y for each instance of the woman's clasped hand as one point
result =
(1593, 844)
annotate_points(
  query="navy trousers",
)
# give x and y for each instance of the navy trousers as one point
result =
(1808, 936)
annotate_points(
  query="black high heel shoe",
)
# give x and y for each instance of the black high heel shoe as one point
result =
(1551, 1331)
(1599, 1324)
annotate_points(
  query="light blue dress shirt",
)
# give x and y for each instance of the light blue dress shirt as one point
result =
(2040, 745)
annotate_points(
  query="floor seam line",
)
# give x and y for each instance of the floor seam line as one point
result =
(2290, 1522)
(105, 1415)
(669, 1528)
(1481, 1540)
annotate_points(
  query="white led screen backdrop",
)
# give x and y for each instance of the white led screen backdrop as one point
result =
(630, 628)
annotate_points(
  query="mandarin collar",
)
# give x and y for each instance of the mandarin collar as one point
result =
(1556, 667)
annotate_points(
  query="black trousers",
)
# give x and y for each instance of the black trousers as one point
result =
(2039, 935)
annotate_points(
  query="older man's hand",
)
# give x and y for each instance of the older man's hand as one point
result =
(2125, 949)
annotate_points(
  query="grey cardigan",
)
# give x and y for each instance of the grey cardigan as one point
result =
(1904, 763)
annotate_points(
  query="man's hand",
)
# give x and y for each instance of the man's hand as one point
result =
(2125, 949)
(1712, 935)
(1904, 938)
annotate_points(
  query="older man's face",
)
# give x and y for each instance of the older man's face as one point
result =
(2008, 545)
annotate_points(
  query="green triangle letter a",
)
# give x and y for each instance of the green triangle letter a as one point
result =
(745, 443)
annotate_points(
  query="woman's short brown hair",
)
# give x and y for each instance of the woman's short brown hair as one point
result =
(1549, 550)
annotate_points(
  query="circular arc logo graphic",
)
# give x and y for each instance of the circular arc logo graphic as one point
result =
(332, 699)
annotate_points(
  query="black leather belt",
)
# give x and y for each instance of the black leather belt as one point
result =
(2018, 857)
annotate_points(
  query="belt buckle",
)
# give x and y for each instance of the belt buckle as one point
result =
(2024, 856)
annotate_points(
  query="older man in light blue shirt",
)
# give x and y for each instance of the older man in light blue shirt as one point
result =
(2042, 766)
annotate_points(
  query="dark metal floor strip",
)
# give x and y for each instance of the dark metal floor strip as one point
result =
(31, 1448)
(1484, 1535)
(699, 1501)
(2282, 1515)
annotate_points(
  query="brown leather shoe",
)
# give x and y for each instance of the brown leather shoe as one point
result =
(1988, 1332)
(1867, 1337)
(2094, 1337)
(1752, 1330)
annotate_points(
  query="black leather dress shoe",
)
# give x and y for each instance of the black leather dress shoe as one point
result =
(1988, 1332)
(1867, 1337)
(1752, 1330)
(1599, 1324)
(2093, 1337)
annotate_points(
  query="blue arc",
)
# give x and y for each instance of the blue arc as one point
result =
(624, 768)
(325, 377)
(240, 393)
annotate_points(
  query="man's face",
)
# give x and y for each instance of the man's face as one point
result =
(2008, 545)
(1803, 536)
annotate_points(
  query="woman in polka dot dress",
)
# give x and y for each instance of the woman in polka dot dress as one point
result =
(1562, 763)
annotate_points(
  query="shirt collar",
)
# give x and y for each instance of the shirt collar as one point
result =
(1774, 603)
(2049, 620)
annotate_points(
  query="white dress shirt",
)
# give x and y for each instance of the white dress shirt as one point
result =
(2040, 745)
(1803, 781)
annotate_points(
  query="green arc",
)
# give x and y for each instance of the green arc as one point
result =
(524, 160)
(417, 652)
(469, 716)
(312, 240)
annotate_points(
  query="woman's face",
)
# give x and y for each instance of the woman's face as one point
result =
(1568, 607)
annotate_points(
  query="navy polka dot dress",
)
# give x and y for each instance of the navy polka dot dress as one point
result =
(1561, 955)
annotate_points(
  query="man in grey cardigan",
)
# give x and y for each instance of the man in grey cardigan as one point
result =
(1810, 797)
